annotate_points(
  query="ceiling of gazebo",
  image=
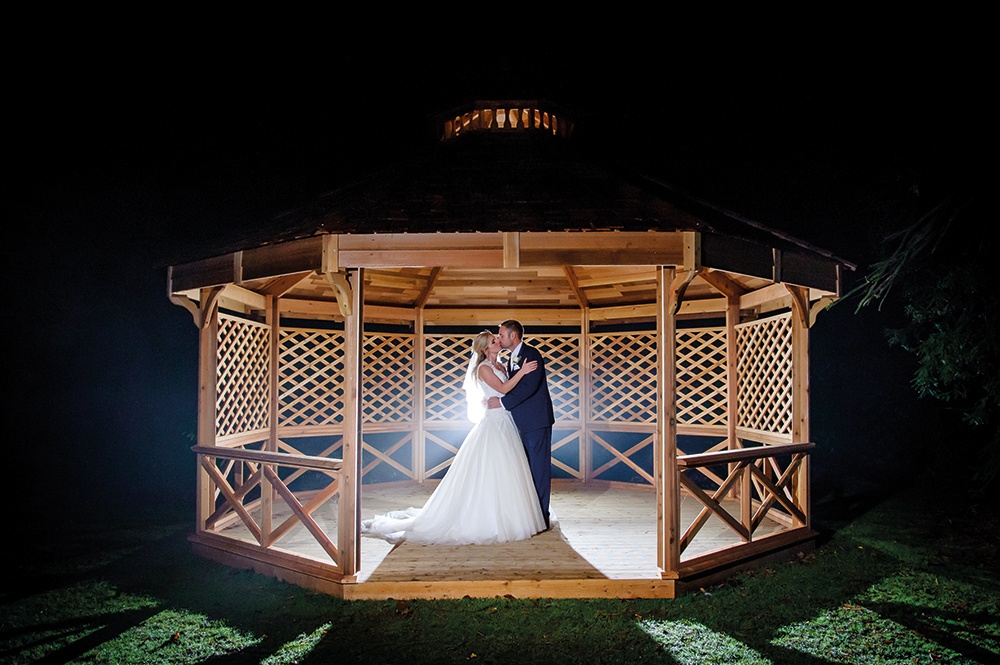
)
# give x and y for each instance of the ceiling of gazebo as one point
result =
(459, 295)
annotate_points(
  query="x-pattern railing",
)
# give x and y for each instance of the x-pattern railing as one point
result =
(624, 456)
(755, 475)
(233, 489)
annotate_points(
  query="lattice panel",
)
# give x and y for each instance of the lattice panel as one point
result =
(701, 376)
(241, 377)
(764, 371)
(310, 368)
(444, 371)
(388, 378)
(624, 377)
(562, 366)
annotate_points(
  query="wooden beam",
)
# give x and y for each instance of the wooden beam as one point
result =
(819, 306)
(800, 397)
(284, 258)
(679, 286)
(244, 296)
(771, 293)
(284, 284)
(574, 284)
(428, 288)
(665, 449)
(190, 305)
(512, 250)
(208, 340)
(692, 250)
(800, 303)
(338, 280)
(602, 248)
(349, 513)
(330, 253)
(267, 489)
(419, 450)
(725, 285)
(741, 454)
(490, 316)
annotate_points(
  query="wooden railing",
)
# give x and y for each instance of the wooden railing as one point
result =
(756, 477)
(245, 471)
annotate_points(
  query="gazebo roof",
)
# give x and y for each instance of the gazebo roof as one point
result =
(519, 167)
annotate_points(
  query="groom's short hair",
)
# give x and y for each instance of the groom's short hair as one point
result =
(511, 324)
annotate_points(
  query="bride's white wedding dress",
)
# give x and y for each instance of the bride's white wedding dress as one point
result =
(487, 496)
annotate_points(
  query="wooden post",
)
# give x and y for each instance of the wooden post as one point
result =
(349, 516)
(732, 370)
(665, 454)
(800, 394)
(586, 452)
(743, 489)
(266, 489)
(208, 361)
(419, 457)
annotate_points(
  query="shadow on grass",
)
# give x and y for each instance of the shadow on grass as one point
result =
(741, 620)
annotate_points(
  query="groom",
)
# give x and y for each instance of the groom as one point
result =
(531, 407)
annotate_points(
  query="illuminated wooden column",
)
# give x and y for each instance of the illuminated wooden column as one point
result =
(743, 491)
(419, 456)
(586, 449)
(349, 516)
(266, 489)
(208, 361)
(800, 393)
(665, 454)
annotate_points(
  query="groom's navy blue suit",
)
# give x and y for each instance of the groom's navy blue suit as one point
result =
(531, 407)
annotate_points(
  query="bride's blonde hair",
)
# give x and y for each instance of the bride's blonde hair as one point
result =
(480, 343)
(473, 394)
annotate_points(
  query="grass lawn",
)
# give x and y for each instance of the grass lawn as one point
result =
(903, 579)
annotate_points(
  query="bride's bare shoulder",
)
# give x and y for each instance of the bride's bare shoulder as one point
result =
(485, 369)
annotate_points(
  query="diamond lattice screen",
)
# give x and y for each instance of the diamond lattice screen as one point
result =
(388, 378)
(447, 361)
(764, 371)
(310, 368)
(624, 377)
(562, 366)
(242, 376)
(701, 376)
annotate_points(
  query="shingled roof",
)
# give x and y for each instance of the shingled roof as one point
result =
(490, 177)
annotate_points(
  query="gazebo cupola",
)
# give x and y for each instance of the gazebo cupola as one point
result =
(505, 116)
(333, 343)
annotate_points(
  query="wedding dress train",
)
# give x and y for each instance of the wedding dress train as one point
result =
(487, 496)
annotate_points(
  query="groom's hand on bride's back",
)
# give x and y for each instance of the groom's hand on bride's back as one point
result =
(493, 403)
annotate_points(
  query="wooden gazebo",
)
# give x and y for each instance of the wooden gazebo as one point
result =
(332, 347)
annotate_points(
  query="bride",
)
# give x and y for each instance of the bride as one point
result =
(487, 496)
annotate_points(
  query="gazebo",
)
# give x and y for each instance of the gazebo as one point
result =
(676, 334)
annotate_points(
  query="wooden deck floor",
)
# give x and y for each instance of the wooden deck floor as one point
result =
(601, 536)
(599, 533)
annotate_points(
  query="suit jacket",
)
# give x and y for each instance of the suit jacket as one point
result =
(529, 402)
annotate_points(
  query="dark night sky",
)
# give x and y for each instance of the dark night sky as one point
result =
(125, 159)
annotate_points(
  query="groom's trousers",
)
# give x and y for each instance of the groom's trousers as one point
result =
(538, 446)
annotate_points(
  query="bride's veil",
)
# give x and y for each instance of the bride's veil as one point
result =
(473, 393)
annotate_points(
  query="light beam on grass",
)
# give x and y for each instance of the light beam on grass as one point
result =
(853, 634)
(298, 649)
(692, 643)
(174, 636)
(858, 630)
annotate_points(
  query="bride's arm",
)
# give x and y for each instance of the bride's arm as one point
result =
(490, 378)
